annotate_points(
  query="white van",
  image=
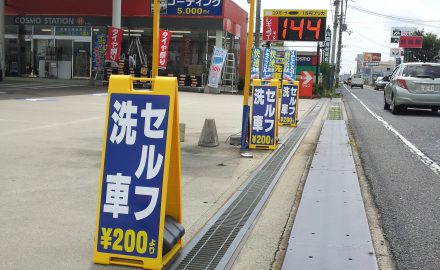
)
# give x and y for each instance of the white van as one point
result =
(357, 80)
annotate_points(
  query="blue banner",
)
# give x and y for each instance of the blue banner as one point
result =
(133, 175)
(288, 105)
(263, 117)
(255, 63)
(190, 7)
(99, 48)
(269, 57)
(289, 65)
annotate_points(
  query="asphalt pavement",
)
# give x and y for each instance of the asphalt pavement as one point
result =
(406, 190)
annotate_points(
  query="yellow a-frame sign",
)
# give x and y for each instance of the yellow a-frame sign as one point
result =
(139, 202)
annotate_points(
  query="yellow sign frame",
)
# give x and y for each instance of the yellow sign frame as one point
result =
(171, 200)
(259, 82)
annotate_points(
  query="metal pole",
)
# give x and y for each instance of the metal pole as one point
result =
(247, 76)
(2, 38)
(335, 28)
(156, 27)
(257, 24)
(317, 64)
(338, 64)
(116, 15)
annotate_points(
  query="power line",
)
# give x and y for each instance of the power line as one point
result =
(396, 18)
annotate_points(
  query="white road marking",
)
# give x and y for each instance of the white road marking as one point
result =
(99, 94)
(419, 154)
(52, 125)
(37, 99)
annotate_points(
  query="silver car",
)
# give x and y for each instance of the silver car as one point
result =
(413, 85)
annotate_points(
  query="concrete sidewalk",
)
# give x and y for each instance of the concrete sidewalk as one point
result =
(50, 158)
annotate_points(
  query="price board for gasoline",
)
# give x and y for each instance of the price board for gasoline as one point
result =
(294, 25)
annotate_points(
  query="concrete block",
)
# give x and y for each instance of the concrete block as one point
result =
(209, 137)
(182, 127)
(235, 139)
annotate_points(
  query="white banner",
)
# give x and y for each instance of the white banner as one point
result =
(217, 61)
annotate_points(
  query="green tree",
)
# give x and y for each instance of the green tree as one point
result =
(429, 50)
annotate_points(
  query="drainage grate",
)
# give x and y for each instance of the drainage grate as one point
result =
(218, 241)
(335, 112)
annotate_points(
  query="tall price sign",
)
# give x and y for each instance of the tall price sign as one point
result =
(294, 25)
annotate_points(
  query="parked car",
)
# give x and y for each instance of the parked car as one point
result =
(357, 81)
(381, 82)
(413, 85)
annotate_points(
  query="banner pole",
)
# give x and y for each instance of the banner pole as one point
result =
(247, 79)
(156, 27)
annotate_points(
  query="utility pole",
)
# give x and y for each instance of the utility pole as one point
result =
(257, 24)
(116, 14)
(335, 28)
(338, 63)
(2, 38)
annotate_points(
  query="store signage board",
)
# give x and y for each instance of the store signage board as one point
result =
(395, 52)
(289, 104)
(411, 42)
(372, 57)
(397, 32)
(190, 7)
(132, 187)
(263, 117)
(294, 25)
(140, 136)
(73, 31)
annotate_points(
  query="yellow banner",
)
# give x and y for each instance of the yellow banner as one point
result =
(312, 13)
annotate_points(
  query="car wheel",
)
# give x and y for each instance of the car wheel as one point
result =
(386, 106)
(375, 88)
(362, 86)
(351, 87)
(434, 110)
(393, 107)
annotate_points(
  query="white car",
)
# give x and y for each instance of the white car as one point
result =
(357, 81)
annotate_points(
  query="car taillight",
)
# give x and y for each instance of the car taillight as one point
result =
(402, 83)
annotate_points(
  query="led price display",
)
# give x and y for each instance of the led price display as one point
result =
(294, 25)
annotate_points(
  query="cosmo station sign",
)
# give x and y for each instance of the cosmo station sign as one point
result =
(49, 20)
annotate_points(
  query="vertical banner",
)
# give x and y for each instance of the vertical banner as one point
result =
(289, 104)
(289, 73)
(279, 69)
(185, 55)
(99, 48)
(114, 44)
(269, 63)
(264, 117)
(164, 43)
(217, 61)
(255, 63)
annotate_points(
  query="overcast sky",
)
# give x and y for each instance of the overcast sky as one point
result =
(370, 33)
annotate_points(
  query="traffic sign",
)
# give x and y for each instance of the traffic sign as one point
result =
(306, 84)
(395, 52)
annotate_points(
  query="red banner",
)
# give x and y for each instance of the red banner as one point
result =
(270, 28)
(164, 43)
(114, 44)
(410, 41)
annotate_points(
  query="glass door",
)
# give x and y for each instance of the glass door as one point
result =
(81, 59)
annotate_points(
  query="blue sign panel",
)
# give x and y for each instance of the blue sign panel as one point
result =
(263, 115)
(191, 7)
(99, 49)
(269, 56)
(133, 175)
(255, 63)
(289, 65)
(288, 104)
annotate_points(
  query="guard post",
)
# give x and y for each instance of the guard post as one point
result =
(289, 103)
(139, 212)
(264, 115)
